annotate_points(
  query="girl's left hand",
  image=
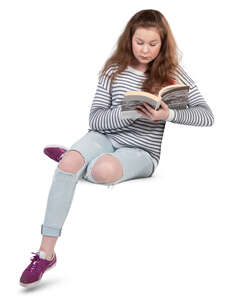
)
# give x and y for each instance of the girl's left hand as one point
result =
(152, 114)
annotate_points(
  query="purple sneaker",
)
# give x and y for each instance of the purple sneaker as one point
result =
(55, 152)
(32, 275)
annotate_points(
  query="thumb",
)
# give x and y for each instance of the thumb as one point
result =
(164, 105)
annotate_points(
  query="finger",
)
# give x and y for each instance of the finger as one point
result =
(144, 113)
(140, 112)
(164, 105)
(143, 109)
(148, 107)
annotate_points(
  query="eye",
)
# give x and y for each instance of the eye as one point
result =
(142, 44)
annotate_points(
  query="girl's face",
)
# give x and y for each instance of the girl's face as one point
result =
(146, 44)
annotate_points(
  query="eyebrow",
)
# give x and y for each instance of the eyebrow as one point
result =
(156, 40)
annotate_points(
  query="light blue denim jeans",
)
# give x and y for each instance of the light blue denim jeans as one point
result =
(136, 163)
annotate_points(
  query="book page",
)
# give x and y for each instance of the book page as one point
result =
(176, 99)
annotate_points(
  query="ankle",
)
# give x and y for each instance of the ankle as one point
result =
(50, 257)
(49, 253)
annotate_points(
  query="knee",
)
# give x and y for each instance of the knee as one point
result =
(107, 169)
(72, 161)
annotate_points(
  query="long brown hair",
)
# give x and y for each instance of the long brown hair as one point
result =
(163, 68)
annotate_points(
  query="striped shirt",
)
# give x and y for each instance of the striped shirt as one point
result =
(141, 133)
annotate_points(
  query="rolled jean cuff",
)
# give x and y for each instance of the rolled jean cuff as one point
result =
(50, 231)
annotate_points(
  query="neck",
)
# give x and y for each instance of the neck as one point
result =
(139, 67)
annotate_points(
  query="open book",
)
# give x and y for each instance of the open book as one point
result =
(174, 95)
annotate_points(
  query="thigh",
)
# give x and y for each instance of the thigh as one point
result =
(136, 163)
(91, 145)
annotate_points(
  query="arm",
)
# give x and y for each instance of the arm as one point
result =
(198, 112)
(103, 116)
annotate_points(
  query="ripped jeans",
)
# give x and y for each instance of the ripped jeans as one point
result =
(136, 163)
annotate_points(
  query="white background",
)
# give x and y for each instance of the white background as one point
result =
(165, 237)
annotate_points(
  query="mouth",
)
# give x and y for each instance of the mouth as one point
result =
(143, 57)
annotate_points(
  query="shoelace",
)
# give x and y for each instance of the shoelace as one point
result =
(34, 263)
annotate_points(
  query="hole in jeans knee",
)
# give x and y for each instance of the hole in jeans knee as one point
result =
(72, 162)
(99, 170)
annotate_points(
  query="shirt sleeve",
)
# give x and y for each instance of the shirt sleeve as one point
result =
(198, 113)
(171, 115)
(103, 115)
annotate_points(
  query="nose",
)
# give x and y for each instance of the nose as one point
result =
(145, 49)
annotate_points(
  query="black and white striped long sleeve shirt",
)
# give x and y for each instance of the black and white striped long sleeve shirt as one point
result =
(143, 133)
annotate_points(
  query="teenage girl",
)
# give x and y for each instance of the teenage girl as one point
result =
(115, 150)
